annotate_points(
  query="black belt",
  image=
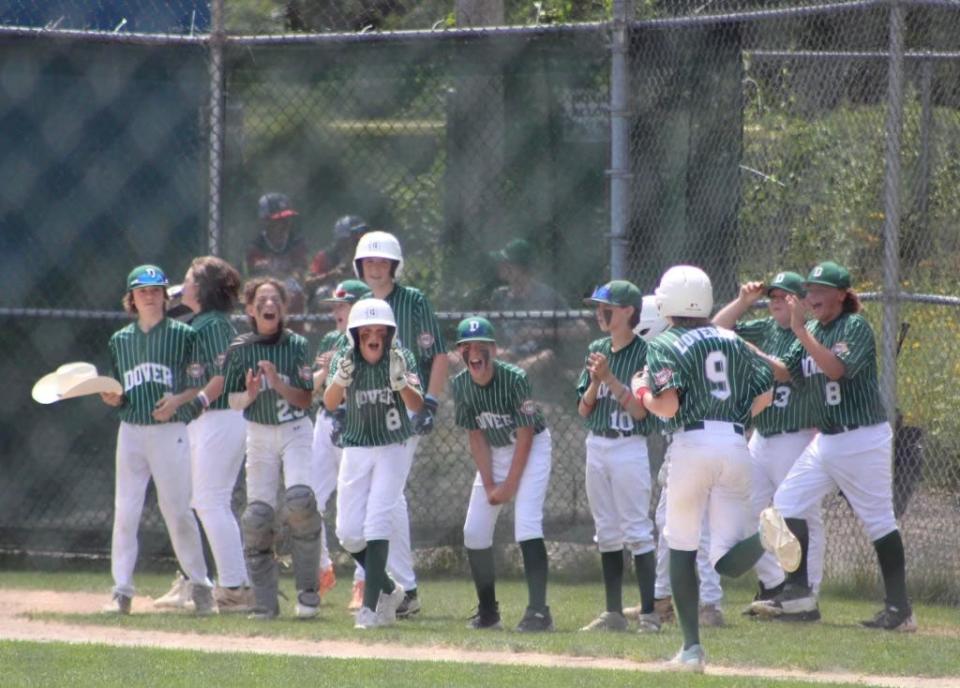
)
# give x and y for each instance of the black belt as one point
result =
(737, 428)
(779, 432)
(612, 434)
(838, 429)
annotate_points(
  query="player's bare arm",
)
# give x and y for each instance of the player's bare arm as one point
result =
(750, 293)
(112, 398)
(780, 371)
(506, 490)
(665, 405)
(760, 402)
(412, 398)
(480, 451)
(240, 400)
(600, 367)
(168, 405)
(295, 395)
(831, 366)
(438, 375)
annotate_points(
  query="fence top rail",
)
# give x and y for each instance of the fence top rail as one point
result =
(848, 55)
(84, 35)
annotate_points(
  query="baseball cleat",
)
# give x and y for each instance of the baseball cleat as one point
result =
(356, 597)
(795, 603)
(891, 618)
(535, 622)
(234, 600)
(711, 616)
(632, 613)
(486, 620)
(763, 594)
(366, 619)
(179, 595)
(410, 605)
(776, 538)
(608, 621)
(388, 604)
(693, 659)
(663, 606)
(648, 623)
(326, 581)
(308, 604)
(203, 604)
(118, 604)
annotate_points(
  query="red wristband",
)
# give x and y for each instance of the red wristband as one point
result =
(640, 392)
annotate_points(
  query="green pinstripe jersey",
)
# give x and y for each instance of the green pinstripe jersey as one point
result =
(792, 404)
(289, 355)
(152, 364)
(716, 374)
(214, 334)
(608, 414)
(376, 415)
(854, 399)
(499, 407)
(417, 328)
(331, 341)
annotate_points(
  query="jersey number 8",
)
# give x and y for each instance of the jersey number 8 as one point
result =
(393, 420)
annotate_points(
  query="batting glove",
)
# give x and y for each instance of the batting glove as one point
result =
(398, 370)
(423, 421)
(344, 374)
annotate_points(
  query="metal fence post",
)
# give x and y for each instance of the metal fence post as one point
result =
(619, 171)
(891, 203)
(216, 128)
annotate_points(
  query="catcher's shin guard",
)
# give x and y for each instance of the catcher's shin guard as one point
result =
(305, 524)
(258, 537)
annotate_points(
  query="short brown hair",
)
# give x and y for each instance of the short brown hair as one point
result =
(851, 302)
(250, 289)
(218, 283)
(680, 321)
(130, 307)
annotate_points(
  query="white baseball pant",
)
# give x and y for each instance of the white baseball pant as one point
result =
(710, 590)
(163, 453)
(709, 474)
(217, 440)
(618, 492)
(528, 503)
(369, 488)
(269, 446)
(859, 463)
(772, 458)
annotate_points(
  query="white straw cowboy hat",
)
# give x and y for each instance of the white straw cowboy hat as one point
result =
(73, 380)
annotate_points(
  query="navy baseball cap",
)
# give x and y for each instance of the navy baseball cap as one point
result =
(348, 226)
(275, 206)
(616, 293)
(475, 329)
(146, 276)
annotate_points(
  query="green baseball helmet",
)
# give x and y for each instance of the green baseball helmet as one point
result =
(475, 329)
(787, 281)
(349, 291)
(830, 274)
(146, 276)
(616, 293)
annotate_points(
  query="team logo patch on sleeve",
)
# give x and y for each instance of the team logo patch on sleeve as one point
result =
(425, 340)
(662, 377)
(195, 370)
(528, 407)
(840, 348)
(306, 373)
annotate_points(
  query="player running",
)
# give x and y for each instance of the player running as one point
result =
(785, 428)
(378, 382)
(268, 377)
(707, 383)
(379, 262)
(510, 445)
(154, 359)
(835, 354)
(617, 467)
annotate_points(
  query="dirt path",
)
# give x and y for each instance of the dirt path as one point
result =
(15, 625)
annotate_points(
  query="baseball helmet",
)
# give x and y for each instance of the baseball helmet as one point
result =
(349, 291)
(348, 226)
(685, 291)
(651, 322)
(275, 206)
(475, 329)
(370, 312)
(146, 276)
(378, 245)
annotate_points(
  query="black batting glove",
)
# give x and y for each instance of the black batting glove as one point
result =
(423, 421)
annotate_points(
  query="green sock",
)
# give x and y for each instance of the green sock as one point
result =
(646, 567)
(376, 568)
(484, 576)
(686, 594)
(611, 563)
(893, 568)
(535, 569)
(740, 558)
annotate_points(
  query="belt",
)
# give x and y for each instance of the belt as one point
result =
(737, 427)
(779, 432)
(838, 429)
(612, 434)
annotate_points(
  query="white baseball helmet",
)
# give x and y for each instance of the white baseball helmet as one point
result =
(651, 322)
(378, 245)
(370, 312)
(685, 291)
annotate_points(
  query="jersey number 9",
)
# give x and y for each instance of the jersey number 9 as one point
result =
(715, 369)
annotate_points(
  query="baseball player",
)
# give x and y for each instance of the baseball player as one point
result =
(268, 376)
(379, 262)
(835, 355)
(154, 359)
(378, 382)
(784, 429)
(511, 448)
(617, 467)
(707, 383)
(327, 427)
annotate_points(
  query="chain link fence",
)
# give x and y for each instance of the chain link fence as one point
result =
(743, 139)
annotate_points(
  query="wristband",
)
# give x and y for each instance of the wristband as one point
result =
(640, 392)
(197, 405)
(204, 401)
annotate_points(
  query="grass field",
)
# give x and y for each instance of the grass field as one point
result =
(836, 644)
